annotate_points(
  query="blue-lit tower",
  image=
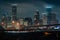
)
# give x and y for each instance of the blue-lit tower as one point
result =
(51, 16)
(14, 12)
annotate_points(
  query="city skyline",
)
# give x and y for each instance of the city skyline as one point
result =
(47, 18)
(27, 8)
(30, 19)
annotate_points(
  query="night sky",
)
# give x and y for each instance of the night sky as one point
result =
(26, 8)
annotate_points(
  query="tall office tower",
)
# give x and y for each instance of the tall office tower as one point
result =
(49, 14)
(36, 18)
(27, 21)
(14, 12)
(51, 17)
(44, 18)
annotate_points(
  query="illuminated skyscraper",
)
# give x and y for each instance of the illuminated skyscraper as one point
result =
(51, 17)
(36, 18)
(14, 12)
(44, 18)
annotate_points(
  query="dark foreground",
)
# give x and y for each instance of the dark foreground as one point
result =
(30, 36)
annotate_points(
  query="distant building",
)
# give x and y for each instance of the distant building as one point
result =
(4, 21)
(27, 21)
(51, 17)
(41, 22)
(21, 20)
(44, 18)
(4, 18)
(36, 18)
(14, 12)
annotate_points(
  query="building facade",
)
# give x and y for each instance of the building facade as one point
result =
(14, 12)
(36, 18)
(27, 21)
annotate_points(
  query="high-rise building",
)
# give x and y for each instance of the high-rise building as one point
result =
(14, 12)
(4, 21)
(51, 17)
(3, 18)
(36, 15)
(36, 18)
(27, 21)
(44, 18)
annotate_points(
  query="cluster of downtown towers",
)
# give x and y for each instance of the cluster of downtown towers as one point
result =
(47, 18)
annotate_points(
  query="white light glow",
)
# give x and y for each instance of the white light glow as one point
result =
(2, 22)
(44, 13)
(13, 21)
(14, 4)
(48, 6)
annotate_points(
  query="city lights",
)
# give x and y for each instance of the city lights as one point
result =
(13, 21)
(47, 33)
(45, 18)
(30, 19)
(18, 24)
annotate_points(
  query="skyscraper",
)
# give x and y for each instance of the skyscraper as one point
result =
(44, 18)
(14, 12)
(36, 15)
(51, 17)
(36, 18)
(4, 21)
